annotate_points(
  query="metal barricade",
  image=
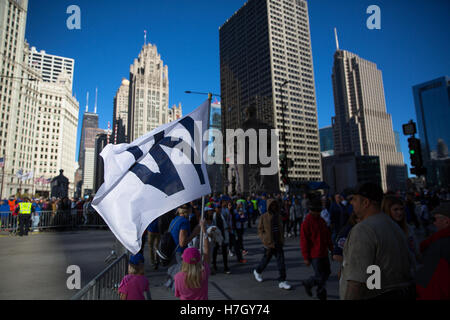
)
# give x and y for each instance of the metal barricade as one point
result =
(53, 220)
(105, 286)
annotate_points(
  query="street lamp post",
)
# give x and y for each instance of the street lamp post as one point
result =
(285, 159)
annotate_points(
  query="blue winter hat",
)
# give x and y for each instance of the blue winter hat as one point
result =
(136, 259)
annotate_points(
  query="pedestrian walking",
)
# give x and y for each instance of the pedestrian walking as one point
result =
(375, 241)
(296, 216)
(135, 286)
(315, 243)
(240, 220)
(272, 238)
(191, 283)
(221, 223)
(285, 212)
(433, 279)
(235, 248)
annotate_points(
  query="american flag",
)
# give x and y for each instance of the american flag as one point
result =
(2, 162)
(41, 179)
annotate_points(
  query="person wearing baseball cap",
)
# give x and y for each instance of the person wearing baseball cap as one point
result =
(191, 283)
(433, 279)
(375, 241)
(135, 285)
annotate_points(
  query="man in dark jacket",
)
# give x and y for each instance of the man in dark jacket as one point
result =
(315, 242)
(271, 234)
(433, 279)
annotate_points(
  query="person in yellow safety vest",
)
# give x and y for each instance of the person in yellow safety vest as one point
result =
(24, 209)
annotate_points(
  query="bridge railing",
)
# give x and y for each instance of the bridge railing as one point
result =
(105, 286)
(49, 219)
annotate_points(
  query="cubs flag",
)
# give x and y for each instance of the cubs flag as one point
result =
(154, 174)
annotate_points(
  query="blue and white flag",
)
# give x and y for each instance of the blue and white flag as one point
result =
(154, 174)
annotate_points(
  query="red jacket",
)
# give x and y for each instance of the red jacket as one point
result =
(433, 279)
(315, 238)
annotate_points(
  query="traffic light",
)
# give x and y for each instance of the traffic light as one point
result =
(415, 152)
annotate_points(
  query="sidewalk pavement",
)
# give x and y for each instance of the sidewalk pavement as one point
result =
(241, 284)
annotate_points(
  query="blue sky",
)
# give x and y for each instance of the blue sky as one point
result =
(412, 46)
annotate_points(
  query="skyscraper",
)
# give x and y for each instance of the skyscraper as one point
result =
(120, 121)
(148, 94)
(326, 141)
(19, 97)
(432, 102)
(264, 44)
(86, 155)
(362, 124)
(176, 112)
(56, 132)
(51, 66)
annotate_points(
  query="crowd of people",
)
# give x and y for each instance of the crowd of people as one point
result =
(359, 229)
(74, 211)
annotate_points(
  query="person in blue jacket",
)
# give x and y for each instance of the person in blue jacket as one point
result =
(240, 220)
(4, 214)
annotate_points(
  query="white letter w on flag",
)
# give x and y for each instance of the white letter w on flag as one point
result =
(142, 182)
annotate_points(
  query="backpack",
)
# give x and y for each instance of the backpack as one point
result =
(167, 247)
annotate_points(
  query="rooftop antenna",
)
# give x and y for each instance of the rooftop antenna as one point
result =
(87, 102)
(145, 37)
(337, 40)
(95, 108)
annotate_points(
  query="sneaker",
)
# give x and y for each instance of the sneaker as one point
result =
(243, 261)
(227, 271)
(258, 276)
(307, 289)
(231, 254)
(284, 285)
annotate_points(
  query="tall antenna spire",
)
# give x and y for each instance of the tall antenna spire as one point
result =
(95, 108)
(87, 102)
(337, 40)
(145, 37)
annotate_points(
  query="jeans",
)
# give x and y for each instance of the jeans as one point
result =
(224, 255)
(35, 223)
(322, 271)
(297, 221)
(240, 238)
(279, 254)
(235, 246)
(285, 226)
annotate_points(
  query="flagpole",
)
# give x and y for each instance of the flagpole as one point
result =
(203, 197)
(3, 177)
